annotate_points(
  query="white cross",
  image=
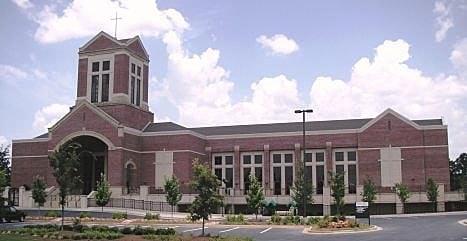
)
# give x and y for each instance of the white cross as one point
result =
(116, 20)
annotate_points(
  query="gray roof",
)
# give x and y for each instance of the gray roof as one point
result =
(45, 135)
(275, 127)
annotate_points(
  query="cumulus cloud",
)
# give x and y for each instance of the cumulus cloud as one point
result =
(386, 81)
(84, 18)
(459, 56)
(48, 116)
(24, 4)
(278, 44)
(4, 141)
(9, 72)
(443, 21)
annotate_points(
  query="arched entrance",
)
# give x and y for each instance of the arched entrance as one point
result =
(93, 162)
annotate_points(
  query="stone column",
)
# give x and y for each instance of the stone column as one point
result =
(399, 205)
(143, 192)
(326, 200)
(266, 170)
(441, 199)
(83, 201)
(236, 167)
(21, 196)
(328, 165)
(298, 158)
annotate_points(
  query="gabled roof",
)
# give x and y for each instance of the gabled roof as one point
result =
(357, 125)
(138, 50)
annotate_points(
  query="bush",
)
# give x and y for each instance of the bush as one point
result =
(52, 213)
(312, 220)
(150, 216)
(236, 219)
(324, 222)
(119, 215)
(126, 230)
(84, 215)
(163, 237)
(276, 219)
(269, 208)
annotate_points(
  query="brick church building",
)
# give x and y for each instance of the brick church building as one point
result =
(111, 118)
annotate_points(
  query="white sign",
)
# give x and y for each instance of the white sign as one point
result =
(361, 204)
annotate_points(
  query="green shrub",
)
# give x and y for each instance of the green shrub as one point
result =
(276, 219)
(138, 230)
(162, 237)
(52, 213)
(150, 216)
(119, 215)
(324, 222)
(312, 220)
(84, 215)
(126, 230)
(236, 219)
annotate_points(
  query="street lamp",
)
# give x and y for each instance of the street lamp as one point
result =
(303, 112)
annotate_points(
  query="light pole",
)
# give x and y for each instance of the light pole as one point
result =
(303, 112)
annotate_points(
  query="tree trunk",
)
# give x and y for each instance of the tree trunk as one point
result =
(172, 211)
(202, 232)
(102, 212)
(63, 216)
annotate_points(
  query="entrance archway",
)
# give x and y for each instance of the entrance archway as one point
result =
(93, 162)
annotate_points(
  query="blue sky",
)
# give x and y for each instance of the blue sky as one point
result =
(345, 59)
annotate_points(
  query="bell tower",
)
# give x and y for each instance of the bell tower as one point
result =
(113, 75)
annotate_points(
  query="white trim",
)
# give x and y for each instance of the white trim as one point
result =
(252, 166)
(137, 38)
(282, 165)
(346, 164)
(92, 107)
(39, 156)
(30, 140)
(103, 34)
(100, 59)
(401, 147)
(130, 161)
(150, 152)
(99, 136)
(223, 166)
(169, 133)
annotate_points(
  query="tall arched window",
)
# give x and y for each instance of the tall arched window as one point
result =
(130, 176)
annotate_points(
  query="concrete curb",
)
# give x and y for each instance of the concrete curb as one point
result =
(374, 228)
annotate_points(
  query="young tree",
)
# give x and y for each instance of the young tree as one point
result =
(38, 192)
(337, 191)
(103, 193)
(208, 199)
(255, 195)
(301, 191)
(172, 190)
(3, 184)
(403, 193)
(65, 166)
(458, 173)
(432, 192)
(369, 191)
(5, 163)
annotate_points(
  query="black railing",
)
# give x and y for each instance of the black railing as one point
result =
(134, 204)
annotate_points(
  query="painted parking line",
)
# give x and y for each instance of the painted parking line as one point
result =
(228, 230)
(174, 227)
(194, 229)
(264, 231)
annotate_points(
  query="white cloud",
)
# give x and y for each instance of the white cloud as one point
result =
(459, 56)
(9, 72)
(84, 18)
(48, 116)
(386, 81)
(278, 44)
(443, 21)
(24, 4)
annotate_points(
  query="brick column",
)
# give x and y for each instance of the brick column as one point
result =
(237, 170)
(328, 165)
(298, 158)
(441, 199)
(266, 170)
(326, 200)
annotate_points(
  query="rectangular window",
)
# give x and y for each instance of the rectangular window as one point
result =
(229, 177)
(132, 90)
(319, 179)
(218, 160)
(351, 156)
(218, 173)
(105, 65)
(95, 67)
(309, 174)
(339, 156)
(320, 157)
(139, 71)
(288, 179)
(138, 91)
(228, 160)
(247, 159)
(246, 179)
(352, 179)
(258, 159)
(340, 169)
(288, 158)
(133, 66)
(308, 157)
(276, 158)
(259, 174)
(95, 89)
(277, 180)
(105, 88)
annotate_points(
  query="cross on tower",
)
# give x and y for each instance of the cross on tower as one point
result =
(116, 20)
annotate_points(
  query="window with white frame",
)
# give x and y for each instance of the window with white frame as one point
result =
(314, 162)
(223, 168)
(252, 164)
(100, 80)
(346, 163)
(135, 84)
(283, 171)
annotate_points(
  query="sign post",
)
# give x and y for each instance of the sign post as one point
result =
(362, 211)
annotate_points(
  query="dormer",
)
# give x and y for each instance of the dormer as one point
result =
(113, 71)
